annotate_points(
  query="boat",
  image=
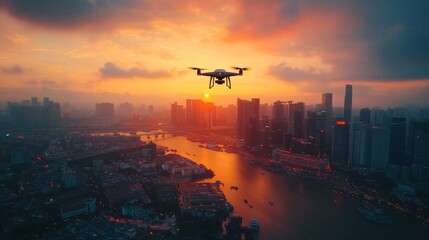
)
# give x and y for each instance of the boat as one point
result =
(245, 201)
(188, 153)
(271, 203)
(250, 206)
(254, 225)
(234, 188)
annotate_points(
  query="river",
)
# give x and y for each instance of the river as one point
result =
(302, 209)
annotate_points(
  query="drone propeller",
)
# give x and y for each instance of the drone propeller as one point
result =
(195, 68)
(239, 68)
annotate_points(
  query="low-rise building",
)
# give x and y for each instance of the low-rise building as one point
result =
(78, 208)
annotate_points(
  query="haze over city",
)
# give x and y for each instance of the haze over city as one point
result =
(223, 120)
(140, 51)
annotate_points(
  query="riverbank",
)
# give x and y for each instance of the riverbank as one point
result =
(338, 180)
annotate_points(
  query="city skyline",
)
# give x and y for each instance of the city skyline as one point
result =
(140, 51)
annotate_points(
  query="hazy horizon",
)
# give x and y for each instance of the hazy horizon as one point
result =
(140, 51)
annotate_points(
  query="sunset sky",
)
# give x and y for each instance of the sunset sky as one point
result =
(140, 51)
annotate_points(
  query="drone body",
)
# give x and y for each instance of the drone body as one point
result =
(219, 75)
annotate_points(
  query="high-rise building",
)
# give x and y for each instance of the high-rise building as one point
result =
(221, 113)
(126, 109)
(278, 126)
(278, 116)
(380, 139)
(177, 115)
(289, 117)
(248, 120)
(397, 128)
(104, 110)
(265, 132)
(200, 114)
(327, 109)
(327, 100)
(231, 116)
(298, 119)
(365, 115)
(361, 145)
(420, 165)
(194, 112)
(379, 117)
(46, 101)
(26, 115)
(348, 103)
(35, 102)
(316, 131)
(340, 142)
(209, 113)
(264, 110)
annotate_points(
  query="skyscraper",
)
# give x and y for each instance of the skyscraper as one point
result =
(380, 139)
(104, 110)
(125, 109)
(348, 103)
(361, 145)
(248, 120)
(397, 141)
(177, 115)
(194, 112)
(316, 131)
(365, 115)
(209, 114)
(278, 117)
(278, 124)
(420, 165)
(34, 101)
(340, 142)
(298, 119)
(231, 116)
(327, 109)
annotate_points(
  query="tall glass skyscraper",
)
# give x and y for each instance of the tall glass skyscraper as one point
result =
(348, 103)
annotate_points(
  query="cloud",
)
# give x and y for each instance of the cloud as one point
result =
(64, 13)
(102, 15)
(287, 73)
(361, 40)
(32, 82)
(111, 70)
(13, 70)
(45, 83)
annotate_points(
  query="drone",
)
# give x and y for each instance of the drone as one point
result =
(219, 74)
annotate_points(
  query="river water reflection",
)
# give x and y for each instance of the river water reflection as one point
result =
(302, 209)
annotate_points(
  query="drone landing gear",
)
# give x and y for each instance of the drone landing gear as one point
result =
(220, 82)
(228, 82)
(211, 83)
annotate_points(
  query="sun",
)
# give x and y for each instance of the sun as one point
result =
(206, 95)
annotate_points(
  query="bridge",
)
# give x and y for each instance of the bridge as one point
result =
(150, 134)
